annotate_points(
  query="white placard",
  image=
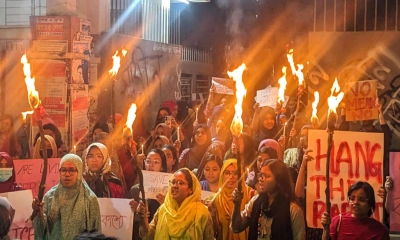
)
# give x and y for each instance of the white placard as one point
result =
(155, 183)
(116, 217)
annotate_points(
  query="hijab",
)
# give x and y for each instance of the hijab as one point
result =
(174, 220)
(268, 133)
(69, 204)
(166, 128)
(38, 147)
(99, 181)
(9, 185)
(224, 204)
(272, 144)
(6, 217)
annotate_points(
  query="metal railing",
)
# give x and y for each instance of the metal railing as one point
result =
(356, 15)
(196, 55)
(17, 12)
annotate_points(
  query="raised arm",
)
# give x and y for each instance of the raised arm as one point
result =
(240, 220)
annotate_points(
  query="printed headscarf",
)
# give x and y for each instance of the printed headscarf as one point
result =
(174, 220)
(38, 147)
(224, 204)
(99, 181)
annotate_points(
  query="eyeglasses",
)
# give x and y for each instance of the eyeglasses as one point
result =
(71, 171)
(230, 173)
(359, 199)
(262, 176)
(154, 162)
(179, 182)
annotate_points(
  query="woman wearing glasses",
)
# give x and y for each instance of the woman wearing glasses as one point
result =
(222, 206)
(357, 224)
(156, 161)
(68, 208)
(273, 213)
(98, 173)
(182, 215)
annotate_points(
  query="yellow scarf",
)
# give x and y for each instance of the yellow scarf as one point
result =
(174, 221)
(224, 205)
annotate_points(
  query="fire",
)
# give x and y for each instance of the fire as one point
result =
(333, 101)
(282, 87)
(116, 63)
(237, 122)
(297, 72)
(131, 117)
(26, 113)
(33, 95)
(314, 106)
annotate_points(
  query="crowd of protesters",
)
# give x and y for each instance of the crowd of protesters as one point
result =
(201, 155)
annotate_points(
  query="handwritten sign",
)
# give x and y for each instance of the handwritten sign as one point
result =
(355, 158)
(116, 217)
(360, 100)
(394, 195)
(155, 183)
(21, 201)
(267, 97)
(223, 85)
(29, 173)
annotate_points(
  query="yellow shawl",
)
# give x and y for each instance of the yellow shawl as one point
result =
(224, 205)
(174, 221)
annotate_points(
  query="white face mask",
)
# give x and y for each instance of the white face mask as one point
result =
(5, 174)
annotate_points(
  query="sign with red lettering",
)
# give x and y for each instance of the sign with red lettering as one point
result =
(360, 100)
(21, 201)
(393, 200)
(355, 156)
(116, 217)
(29, 173)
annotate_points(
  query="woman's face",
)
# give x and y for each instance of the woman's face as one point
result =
(158, 143)
(212, 171)
(180, 188)
(267, 180)
(358, 200)
(200, 136)
(159, 131)
(153, 162)
(230, 175)
(162, 113)
(269, 121)
(95, 159)
(97, 132)
(4, 163)
(68, 174)
(262, 157)
(170, 158)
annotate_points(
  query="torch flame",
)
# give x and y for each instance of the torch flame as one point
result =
(333, 101)
(297, 72)
(314, 105)
(116, 63)
(131, 116)
(33, 95)
(282, 87)
(26, 113)
(237, 122)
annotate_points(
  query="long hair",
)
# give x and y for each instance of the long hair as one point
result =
(162, 156)
(174, 156)
(284, 183)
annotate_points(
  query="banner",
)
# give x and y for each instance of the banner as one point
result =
(393, 200)
(355, 158)
(267, 97)
(116, 217)
(360, 100)
(223, 85)
(21, 201)
(155, 183)
(29, 173)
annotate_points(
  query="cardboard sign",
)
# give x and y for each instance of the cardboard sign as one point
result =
(267, 97)
(223, 85)
(355, 158)
(116, 217)
(29, 173)
(393, 200)
(21, 201)
(155, 183)
(360, 100)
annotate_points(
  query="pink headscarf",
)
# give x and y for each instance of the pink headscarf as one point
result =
(272, 144)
